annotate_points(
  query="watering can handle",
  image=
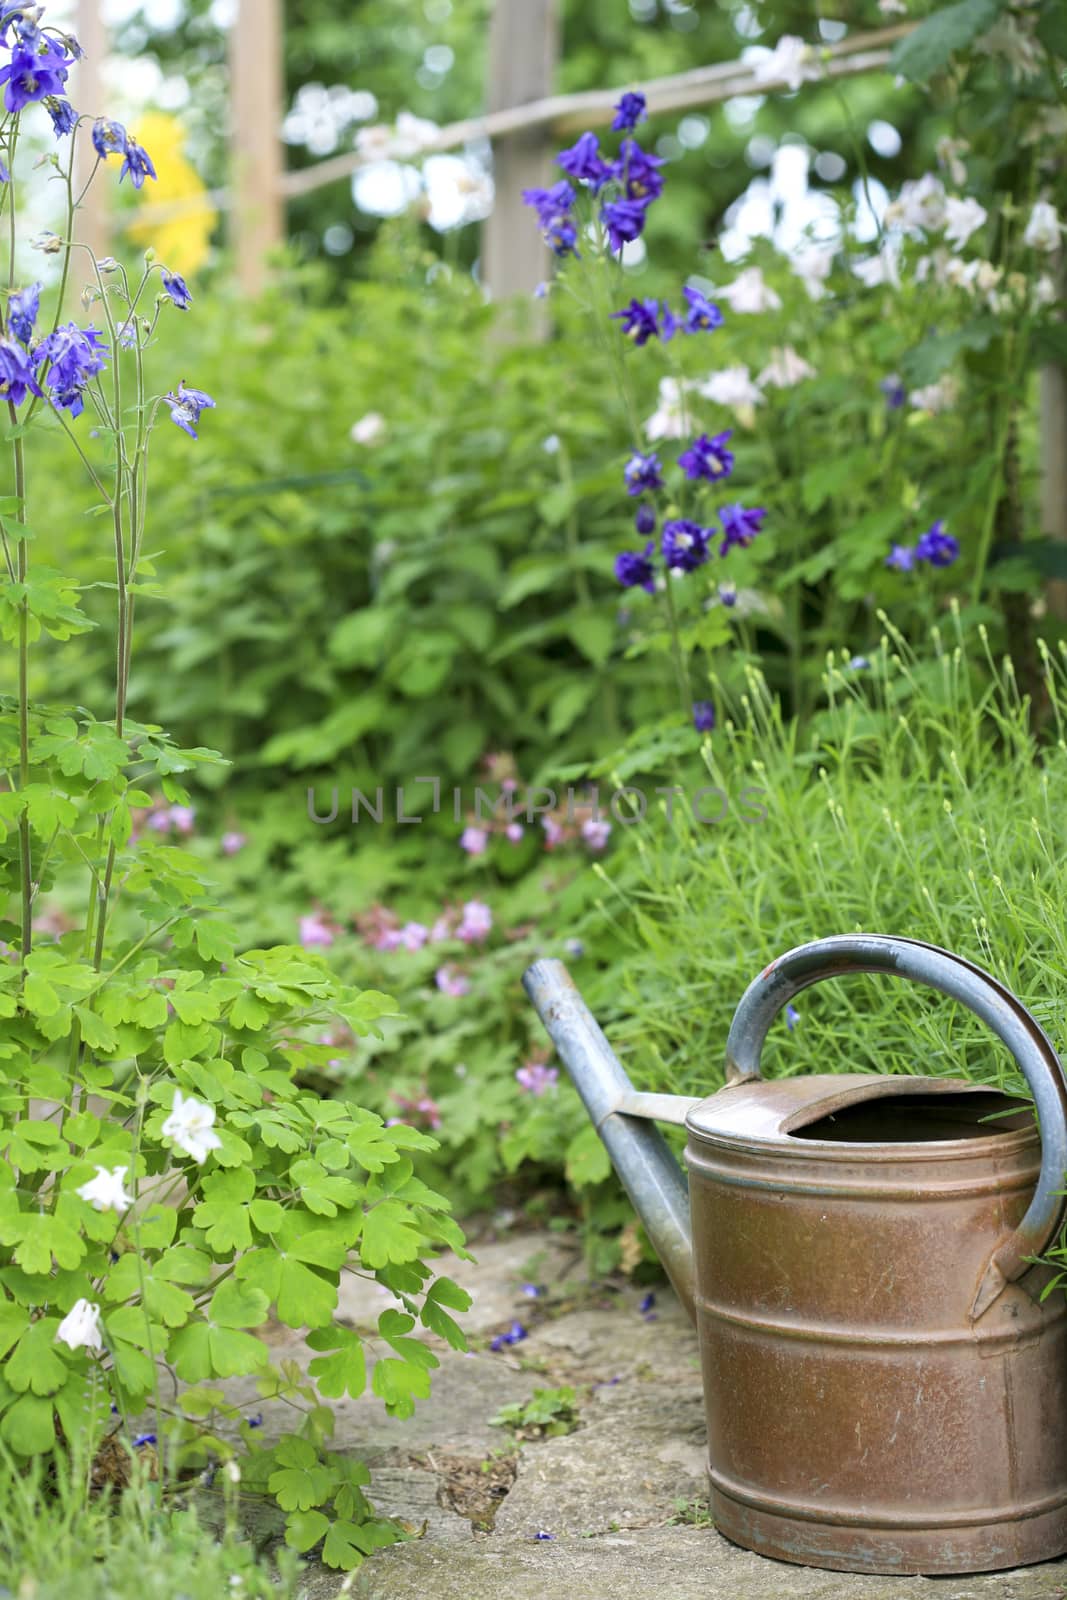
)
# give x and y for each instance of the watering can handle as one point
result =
(981, 993)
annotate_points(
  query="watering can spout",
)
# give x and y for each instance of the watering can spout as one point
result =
(624, 1120)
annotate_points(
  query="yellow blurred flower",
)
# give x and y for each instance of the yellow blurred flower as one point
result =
(183, 242)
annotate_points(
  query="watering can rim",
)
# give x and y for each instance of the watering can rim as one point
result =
(779, 1108)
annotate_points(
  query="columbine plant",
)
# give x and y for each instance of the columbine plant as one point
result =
(594, 223)
(166, 1186)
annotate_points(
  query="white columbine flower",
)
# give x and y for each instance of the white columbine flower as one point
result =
(892, 8)
(790, 62)
(105, 1191)
(733, 387)
(962, 218)
(80, 1327)
(668, 420)
(190, 1126)
(1015, 45)
(879, 269)
(413, 134)
(920, 204)
(785, 368)
(813, 264)
(369, 429)
(748, 292)
(1044, 228)
(1045, 291)
(375, 143)
(936, 397)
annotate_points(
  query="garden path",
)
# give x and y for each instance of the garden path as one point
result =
(622, 1496)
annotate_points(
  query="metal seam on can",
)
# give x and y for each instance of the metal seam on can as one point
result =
(900, 1521)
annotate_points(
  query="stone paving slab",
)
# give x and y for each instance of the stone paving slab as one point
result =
(609, 1494)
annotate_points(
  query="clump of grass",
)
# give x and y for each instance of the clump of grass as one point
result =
(918, 801)
(58, 1540)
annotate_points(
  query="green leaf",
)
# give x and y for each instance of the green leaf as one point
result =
(200, 1351)
(304, 1529)
(238, 1305)
(940, 35)
(301, 1480)
(927, 361)
(389, 1233)
(399, 1384)
(569, 702)
(443, 1292)
(344, 1372)
(587, 1160)
(35, 1363)
(29, 1427)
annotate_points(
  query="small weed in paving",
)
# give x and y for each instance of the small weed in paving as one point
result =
(548, 1413)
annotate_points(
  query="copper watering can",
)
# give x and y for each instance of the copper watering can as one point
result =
(885, 1391)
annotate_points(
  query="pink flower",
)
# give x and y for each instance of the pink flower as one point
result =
(389, 939)
(430, 1111)
(553, 831)
(183, 818)
(442, 928)
(474, 840)
(596, 834)
(451, 981)
(514, 831)
(231, 843)
(317, 931)
(413, 935)
(476, 922)
(536, 1078)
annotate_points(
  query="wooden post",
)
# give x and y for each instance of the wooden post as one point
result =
(1052, 403)
(256, 46)
(523, 50)
(92, 223)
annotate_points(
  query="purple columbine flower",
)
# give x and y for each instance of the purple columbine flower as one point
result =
(142, 1439)
(645, 519)
(640, 320)
(684, 544)
(901, 558)
(639, 171)
(109, 138)
(624, 220)
(186, 405)
(22, 309)
(515, 1335)
(728, 594)
(33, 72)
(17, 378)
(550, 203)
(792, 1017)
(643, 473)
(63, 115)
(256, 1421)
(562, 238)
(532, 1291)
(669, 324)
(739, 526)
(584, 162)
(630, 110)
(647, 1303)
(74, 355)
(702, 313)
(894, 391)
(937, 546)
(708, 458)
(138, 163)
(703, 716)
(541, 1536)
(178, 290)
(635, 571)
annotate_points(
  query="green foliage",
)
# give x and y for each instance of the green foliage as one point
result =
(121, 1547)
(548, 1413)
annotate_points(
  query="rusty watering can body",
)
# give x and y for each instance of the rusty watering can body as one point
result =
(885, 1391)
